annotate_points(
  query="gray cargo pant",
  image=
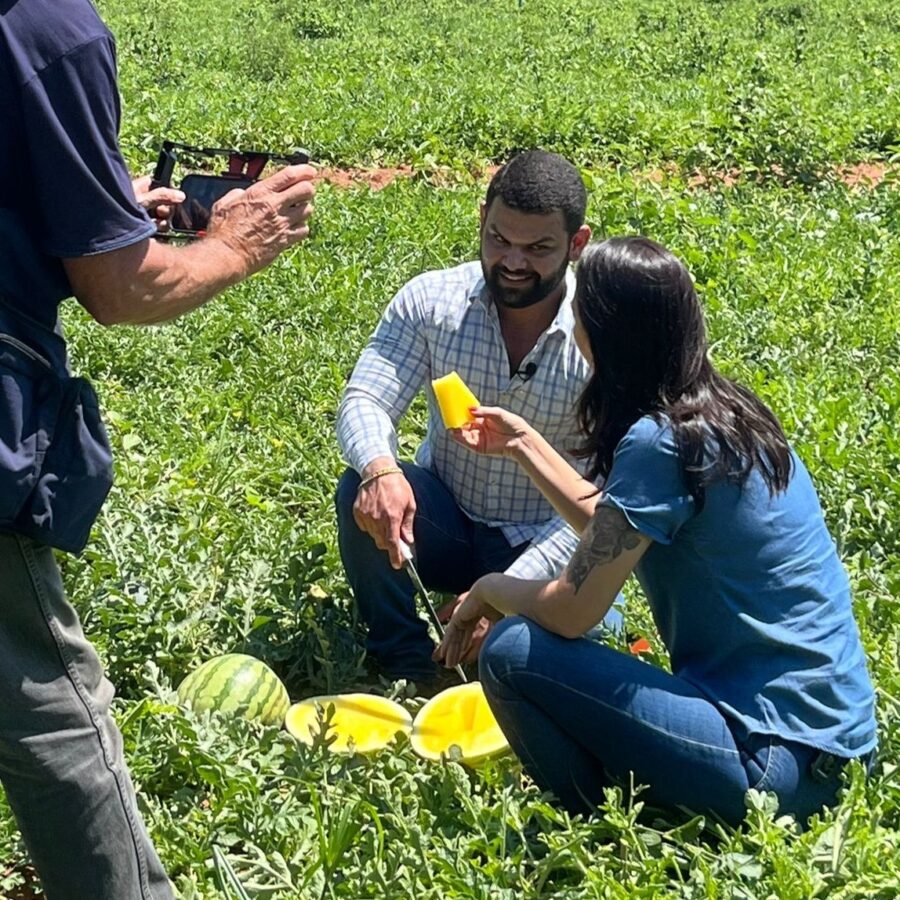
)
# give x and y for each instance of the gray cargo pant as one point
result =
(60, 751)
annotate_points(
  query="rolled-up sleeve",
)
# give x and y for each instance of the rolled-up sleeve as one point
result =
(548, 554)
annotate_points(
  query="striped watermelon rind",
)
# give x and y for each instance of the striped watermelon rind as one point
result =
(238, 684)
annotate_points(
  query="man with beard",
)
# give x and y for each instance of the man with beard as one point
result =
(505, 325)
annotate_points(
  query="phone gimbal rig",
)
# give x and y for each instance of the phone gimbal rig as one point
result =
(203, 188)
(243, 165)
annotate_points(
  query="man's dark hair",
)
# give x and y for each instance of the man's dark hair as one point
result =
(539, 182)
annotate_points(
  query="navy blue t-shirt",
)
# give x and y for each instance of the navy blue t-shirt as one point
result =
(64, 188)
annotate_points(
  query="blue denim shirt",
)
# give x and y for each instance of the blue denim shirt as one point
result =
(749, 596)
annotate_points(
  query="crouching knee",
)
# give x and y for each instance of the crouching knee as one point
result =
(506, 649)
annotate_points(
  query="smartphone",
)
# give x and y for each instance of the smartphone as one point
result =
(191, 216)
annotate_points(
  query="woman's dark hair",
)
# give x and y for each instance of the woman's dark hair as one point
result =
(540, 182)
(638, 306)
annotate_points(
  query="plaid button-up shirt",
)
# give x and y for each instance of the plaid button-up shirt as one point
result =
(443, 321)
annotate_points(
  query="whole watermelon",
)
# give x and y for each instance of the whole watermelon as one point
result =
(239, 684)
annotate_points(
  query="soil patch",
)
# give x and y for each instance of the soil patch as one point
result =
(857, 175)
(865, 174)
(375, 178)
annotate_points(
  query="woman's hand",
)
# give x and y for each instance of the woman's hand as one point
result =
(495, 432)
(479, 632)
(467, 626)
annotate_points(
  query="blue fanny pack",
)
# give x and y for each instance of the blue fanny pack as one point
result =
(55, 460)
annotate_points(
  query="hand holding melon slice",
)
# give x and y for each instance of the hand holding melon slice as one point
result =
(454, 400)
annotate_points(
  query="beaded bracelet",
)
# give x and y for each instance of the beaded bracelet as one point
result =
(387, 470)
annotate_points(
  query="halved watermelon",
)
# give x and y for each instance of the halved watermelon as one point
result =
(458, 717)
(361, 722)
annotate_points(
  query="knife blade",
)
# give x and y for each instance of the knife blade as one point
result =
(407, 554)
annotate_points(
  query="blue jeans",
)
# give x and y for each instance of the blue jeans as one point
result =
(61, 758)
(452, 552)
(582, 716)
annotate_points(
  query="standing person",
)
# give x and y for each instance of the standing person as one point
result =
(504, 323)
(71, 225)
(706, 502)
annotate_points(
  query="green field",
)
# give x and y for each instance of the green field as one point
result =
(219, 535)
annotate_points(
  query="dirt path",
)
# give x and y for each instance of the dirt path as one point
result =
(858, 175)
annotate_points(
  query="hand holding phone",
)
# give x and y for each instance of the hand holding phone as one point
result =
(202, 190)
(158, 201)
(267, 217)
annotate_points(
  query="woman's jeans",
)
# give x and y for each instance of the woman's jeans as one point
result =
(61, 758)
(582, 716)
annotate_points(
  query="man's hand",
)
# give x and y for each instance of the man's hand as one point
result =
(158, 202)
(495, 432)
(268, 217)
(151, 281)
(385, 509)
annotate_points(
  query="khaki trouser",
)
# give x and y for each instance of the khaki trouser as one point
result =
(60, 751)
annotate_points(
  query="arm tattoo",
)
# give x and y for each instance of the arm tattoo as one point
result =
(606, 536)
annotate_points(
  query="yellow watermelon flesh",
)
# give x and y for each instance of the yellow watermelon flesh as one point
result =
(459, 716)
(361, 722)
(454, 400)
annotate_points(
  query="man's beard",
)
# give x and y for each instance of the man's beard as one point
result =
(531, 292)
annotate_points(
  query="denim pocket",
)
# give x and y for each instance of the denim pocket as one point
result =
(757, 754)
(76, 474)
(30, 398)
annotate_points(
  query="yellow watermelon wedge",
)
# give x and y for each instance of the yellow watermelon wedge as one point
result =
(458, 716)
(454, 400)
(361, 722)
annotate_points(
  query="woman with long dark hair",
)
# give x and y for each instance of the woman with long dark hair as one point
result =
(706, 502)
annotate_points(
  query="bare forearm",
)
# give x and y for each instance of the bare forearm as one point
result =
(552, 604)
(175, 280)
(606, 555)
(154, 282)
(571, 495)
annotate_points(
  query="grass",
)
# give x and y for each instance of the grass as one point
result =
(717, 83)
(219, 534)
